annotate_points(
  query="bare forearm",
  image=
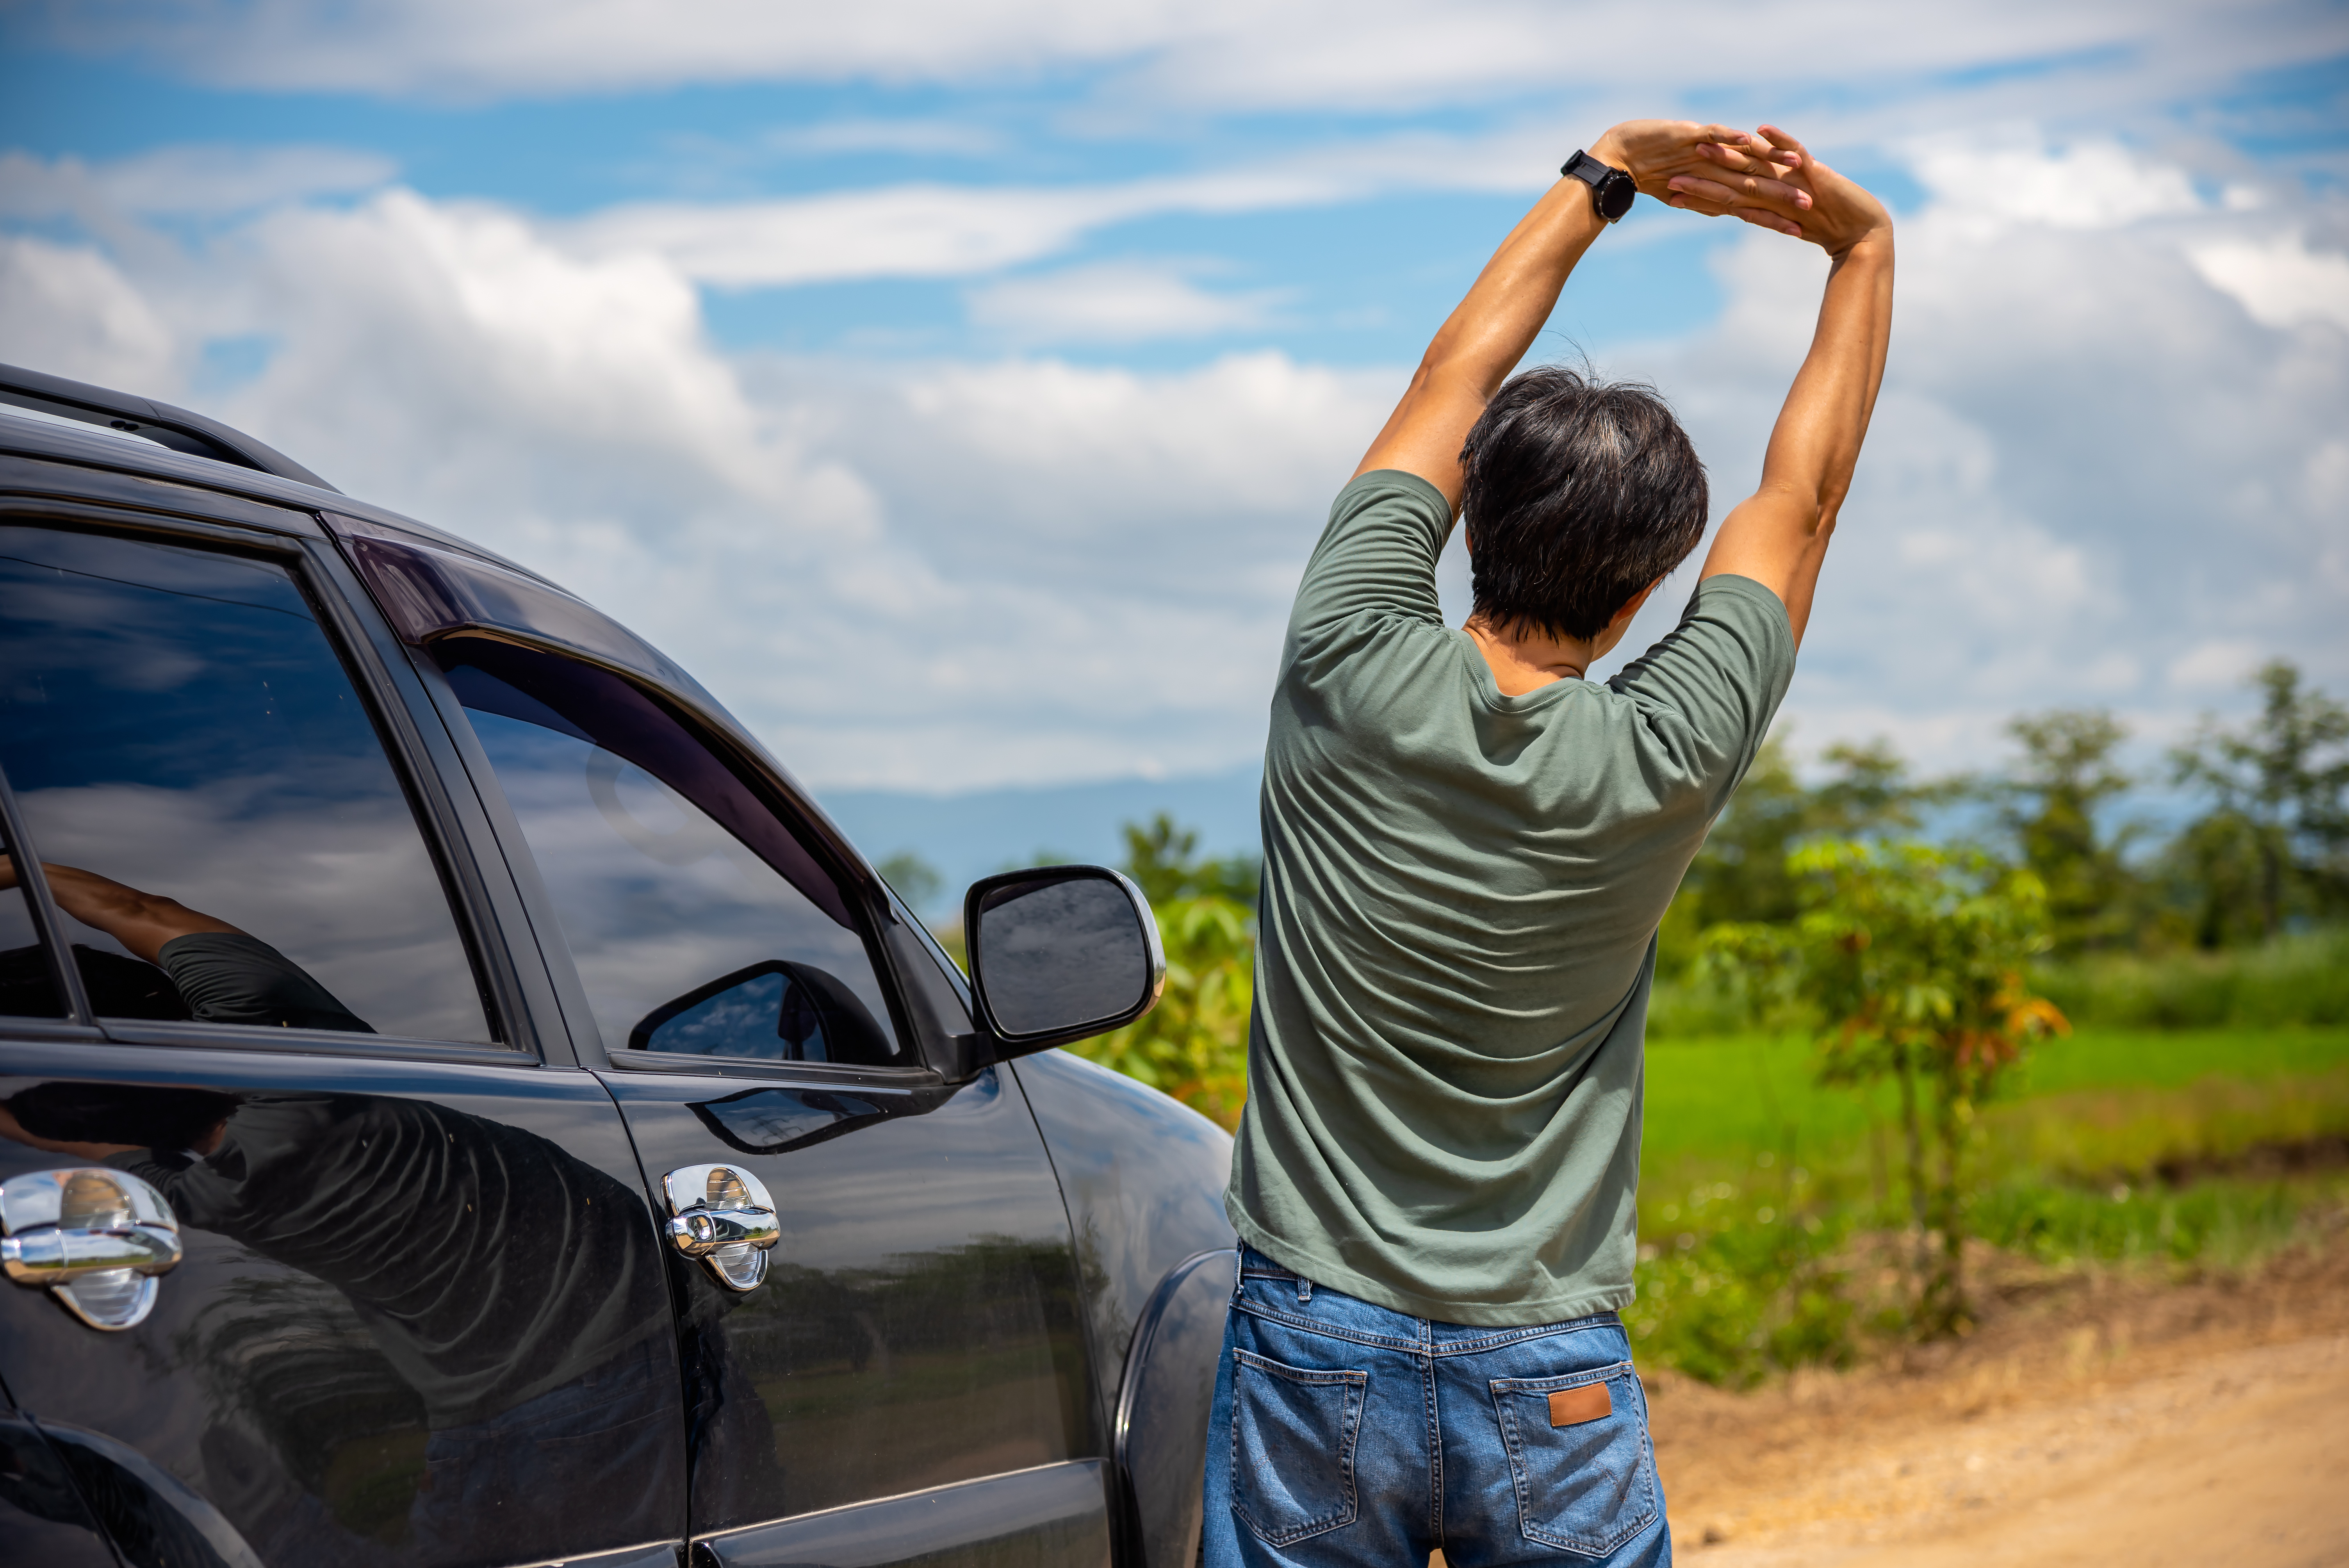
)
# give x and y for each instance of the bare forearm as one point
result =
(1778, 536)
(142, 922)
(1815, 446)
(1485, 337)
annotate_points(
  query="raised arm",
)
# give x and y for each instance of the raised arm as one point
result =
(1492, 329)
(1779, 535)
(142, 922)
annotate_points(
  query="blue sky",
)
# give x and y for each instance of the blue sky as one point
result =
(957, 390)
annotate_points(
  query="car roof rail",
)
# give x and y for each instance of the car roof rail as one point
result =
(166, 426)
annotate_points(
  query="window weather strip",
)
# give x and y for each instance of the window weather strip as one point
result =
(33, 879)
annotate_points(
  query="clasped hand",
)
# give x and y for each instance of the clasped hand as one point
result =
(1766, 177)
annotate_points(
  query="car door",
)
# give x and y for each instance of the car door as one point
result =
(881, 1333)
(258, 1012)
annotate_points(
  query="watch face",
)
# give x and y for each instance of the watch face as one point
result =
(1615, 194)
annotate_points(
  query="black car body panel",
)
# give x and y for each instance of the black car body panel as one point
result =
(332, 1374)
(991, 1319)
(43, 1515)
(1144, 1178)
(1049, 1515)
(920, 1325)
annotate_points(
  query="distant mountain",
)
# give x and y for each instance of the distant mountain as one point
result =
(964, 837)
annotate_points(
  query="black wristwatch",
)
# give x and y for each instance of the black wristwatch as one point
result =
(1611, 189)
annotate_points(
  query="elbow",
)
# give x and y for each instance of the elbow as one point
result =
(1823, 508)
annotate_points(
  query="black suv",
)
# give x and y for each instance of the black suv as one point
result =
(462, 1103)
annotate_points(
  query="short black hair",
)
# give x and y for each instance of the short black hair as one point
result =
(1577, 493)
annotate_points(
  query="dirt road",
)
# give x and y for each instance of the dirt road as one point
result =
(2100, 1423)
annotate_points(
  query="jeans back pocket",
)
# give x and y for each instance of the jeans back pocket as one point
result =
(1293, 1448)
(1586, 1485)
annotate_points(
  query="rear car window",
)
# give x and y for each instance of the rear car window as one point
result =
(700, 922)
(224, 834)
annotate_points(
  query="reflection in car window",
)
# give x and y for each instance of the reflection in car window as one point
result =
(224, 836)
(701, 925)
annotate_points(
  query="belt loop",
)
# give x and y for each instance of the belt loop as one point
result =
(1304, 1290)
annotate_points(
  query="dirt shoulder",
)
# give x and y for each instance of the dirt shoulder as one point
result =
(2092, 1419)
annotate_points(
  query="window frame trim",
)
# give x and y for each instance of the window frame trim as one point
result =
(191, 1034)
(862, 889)
(299, 546)
(48, 927)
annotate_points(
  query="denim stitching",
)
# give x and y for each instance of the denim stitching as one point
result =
(1332, 1331)
(1434, 1439)
(1558, 1380)
(1357, 1386)
(1643, 1474)
(1508, 1337)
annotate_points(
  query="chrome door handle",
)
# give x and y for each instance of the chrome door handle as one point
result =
(92, 1236)
(722, 1215)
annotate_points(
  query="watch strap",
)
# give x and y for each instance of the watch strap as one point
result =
(1605, 180)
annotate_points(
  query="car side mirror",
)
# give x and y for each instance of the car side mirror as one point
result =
(1059, 954)
(770, 1012)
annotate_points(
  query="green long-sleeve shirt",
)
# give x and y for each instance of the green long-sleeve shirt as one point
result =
(1461, 896)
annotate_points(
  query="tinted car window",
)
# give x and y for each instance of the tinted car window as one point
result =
(700, 923)
(225, 835)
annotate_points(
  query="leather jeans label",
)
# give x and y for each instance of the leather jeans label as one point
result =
(1572, 1407)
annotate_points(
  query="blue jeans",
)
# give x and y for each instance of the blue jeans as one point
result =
(1344, 1433)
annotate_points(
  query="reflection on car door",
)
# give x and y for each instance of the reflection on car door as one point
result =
(421, 1316)
(915, 1335)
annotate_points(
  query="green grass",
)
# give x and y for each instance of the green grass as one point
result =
(1766, 1199)
(2097, 1056)
(1726, 1099)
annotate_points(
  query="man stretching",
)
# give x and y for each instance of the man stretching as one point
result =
(1467, 851)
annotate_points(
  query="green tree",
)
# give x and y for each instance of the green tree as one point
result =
(2051, 807)
(915, 879)
(1194, 1043)
(2214, 875)
(2276, 788)
(1911, 959)
(1740, 875)
(1163, 859)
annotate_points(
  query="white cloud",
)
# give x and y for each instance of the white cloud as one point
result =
(1114, 302)
(1984, 185)
(65, 306)
(945, 574)
(2279, 281)
(954, 138)
(2214, 664)
(930, 230)
(183, 180)
(915, 231)
(1368, 54)
(937, 575)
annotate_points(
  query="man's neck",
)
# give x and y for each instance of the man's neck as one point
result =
(1526, 660)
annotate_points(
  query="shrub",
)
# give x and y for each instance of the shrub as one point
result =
(1912, 957)
(1194, 1043)
(2296, 979)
